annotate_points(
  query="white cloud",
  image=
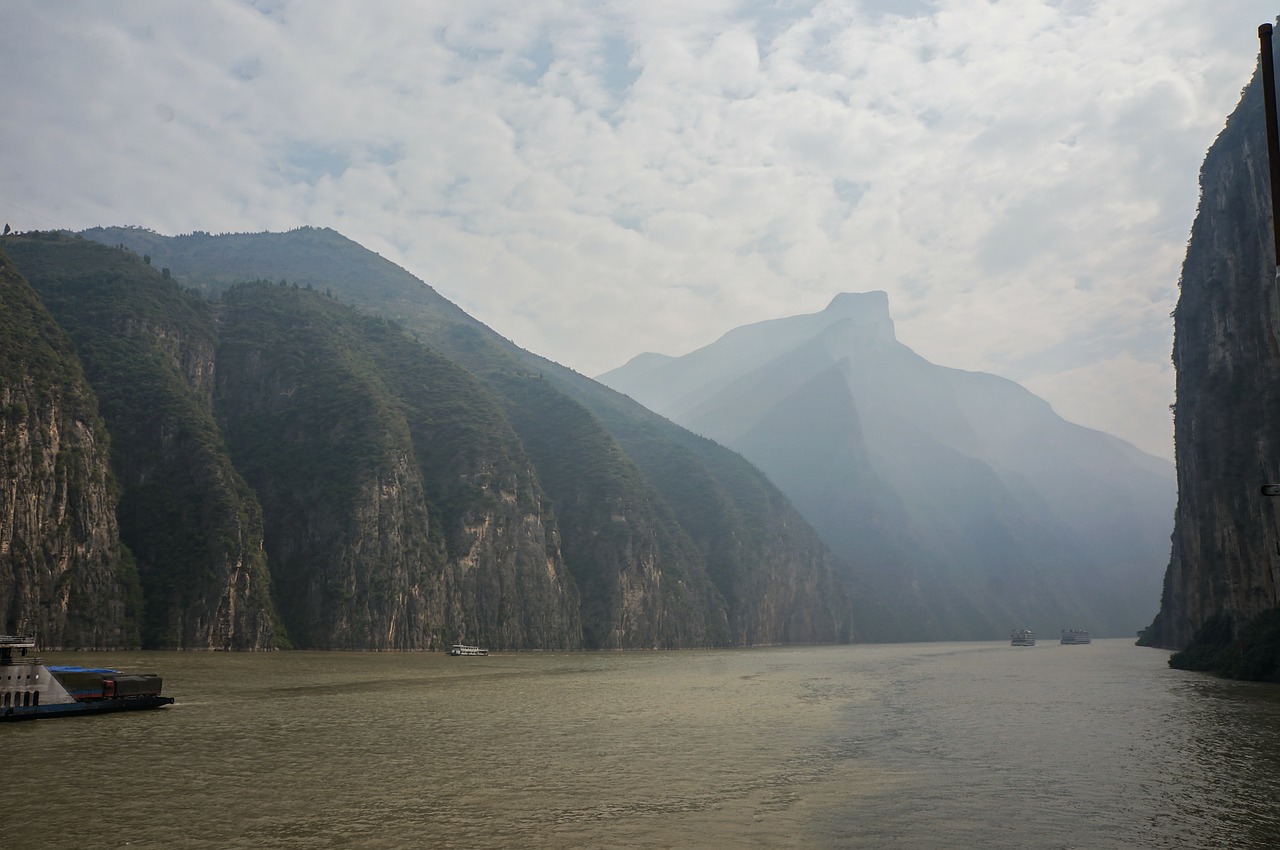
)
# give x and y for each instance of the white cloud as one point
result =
(597, 180)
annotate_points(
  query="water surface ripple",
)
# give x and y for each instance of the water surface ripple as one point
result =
(921, 745)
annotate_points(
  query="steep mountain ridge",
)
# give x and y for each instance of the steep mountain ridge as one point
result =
(395, 518)
(975, 505)
(683, 391)
(185, 513)
(63, 568)
(781, 583)
(644, 535)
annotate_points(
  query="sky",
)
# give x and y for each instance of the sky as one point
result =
(595, 180)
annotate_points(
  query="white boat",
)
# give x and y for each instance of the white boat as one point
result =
(1075, 637)
(465, 649)
(1022, 637)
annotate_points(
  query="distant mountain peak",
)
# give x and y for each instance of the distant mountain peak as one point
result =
(867, 311)
(964, 498)
(650, 359)
(860, 303)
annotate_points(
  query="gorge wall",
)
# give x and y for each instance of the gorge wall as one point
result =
(1225, 560)
(670, 539)
(63, 569)
(287, 470)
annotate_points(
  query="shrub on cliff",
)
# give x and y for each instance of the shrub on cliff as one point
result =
(1253, 653)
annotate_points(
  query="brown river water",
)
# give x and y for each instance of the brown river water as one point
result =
(955, 745)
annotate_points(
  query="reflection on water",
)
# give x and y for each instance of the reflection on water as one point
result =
(925, 745)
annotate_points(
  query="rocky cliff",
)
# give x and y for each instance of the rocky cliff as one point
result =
(1225, 562)
(64, 574)
(778, 582)
(186, 514)
(398, 515)
(671, 540)
(295, 472)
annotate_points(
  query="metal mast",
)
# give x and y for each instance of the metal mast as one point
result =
(1273, 133)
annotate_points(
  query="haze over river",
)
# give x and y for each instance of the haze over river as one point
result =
(919, 745)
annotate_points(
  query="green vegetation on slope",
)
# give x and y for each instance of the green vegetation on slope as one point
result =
(746, 536)
(753, 542)
(313, 430)
(36, 350)
(65, 574)
(387, 474)
(191, 522)
(608, 517)
(1253, 653)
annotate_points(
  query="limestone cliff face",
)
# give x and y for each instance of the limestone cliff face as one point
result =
(508, 584)
(64, 574)
(792, 596)
(669, 538)
(173, 465)
(643, 583)
(399, 516)
(1226, 540)
(293, 472)
(778, 582)
(193, 526)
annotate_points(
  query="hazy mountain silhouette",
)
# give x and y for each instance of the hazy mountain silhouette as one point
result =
(970, 505)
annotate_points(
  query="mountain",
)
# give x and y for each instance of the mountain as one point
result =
(401, 510)
(60, 547)
(971, 506)
(315, 449)
(147, 348)
(1222, 588)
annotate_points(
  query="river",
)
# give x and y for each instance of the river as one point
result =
(901, 746)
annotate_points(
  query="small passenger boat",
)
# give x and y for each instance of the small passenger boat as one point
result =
(464, 649)
(30, 690)
(1075, 637)
(1022, 637)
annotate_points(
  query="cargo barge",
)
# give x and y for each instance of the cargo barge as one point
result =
(29, 689)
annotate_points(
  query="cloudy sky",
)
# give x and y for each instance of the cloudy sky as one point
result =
(596, 180)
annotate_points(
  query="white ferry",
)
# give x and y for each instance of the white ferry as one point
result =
(464, 649)
(1075, 637)
(1022, 637)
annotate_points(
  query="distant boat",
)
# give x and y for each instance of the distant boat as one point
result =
(29, 689)
(1022, 637)
(1075, 637)
(464, 649)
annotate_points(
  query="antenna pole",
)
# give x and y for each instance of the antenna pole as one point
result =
(1273, 131)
